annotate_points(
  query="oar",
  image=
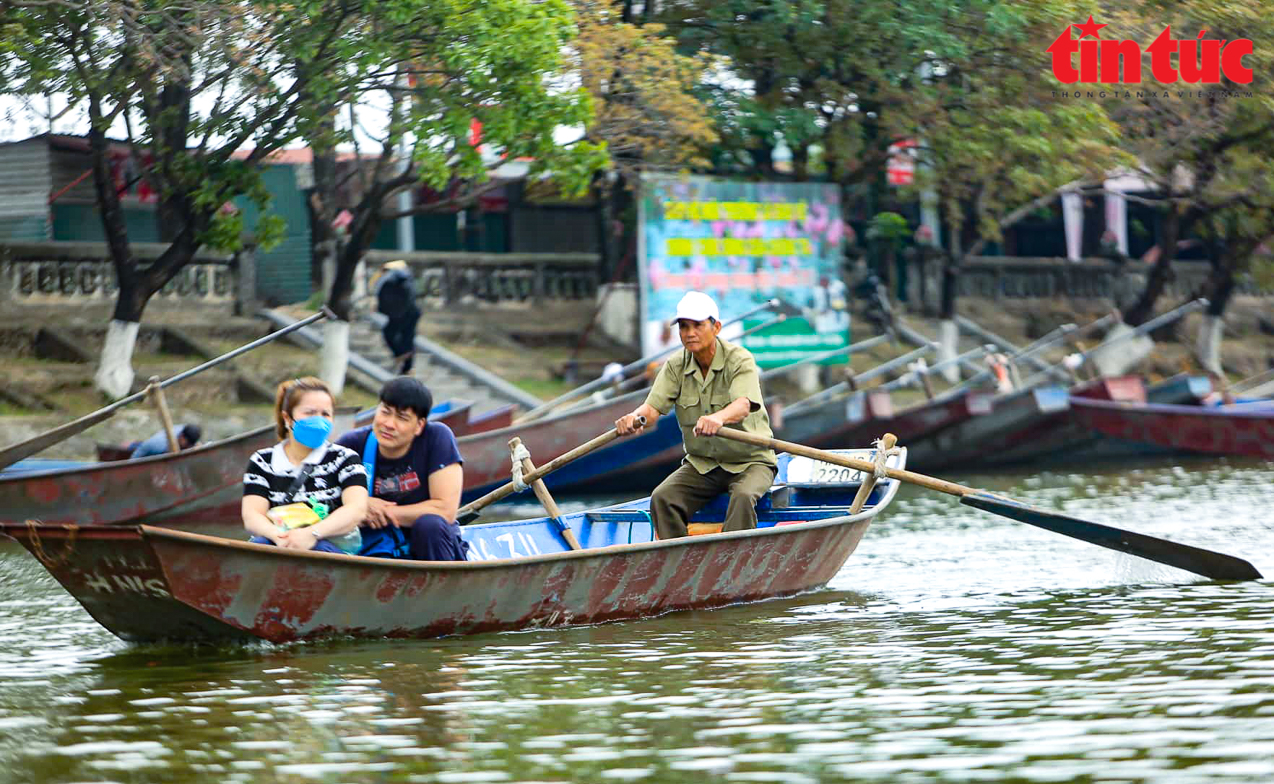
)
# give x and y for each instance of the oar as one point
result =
(1214, 565)
(640, 364)
(641, 380)
(469, 512)
(1145, 329)
(542, 492)
(38, 443)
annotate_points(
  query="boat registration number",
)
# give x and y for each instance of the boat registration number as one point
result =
(807, 471)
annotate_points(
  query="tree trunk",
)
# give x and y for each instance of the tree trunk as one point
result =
(950, 284)
(1160, 274)
(323, 202)
(801, 162)
(607, 249)
(335, 359)
(363, 230)
(1211, 330)
(114, 376)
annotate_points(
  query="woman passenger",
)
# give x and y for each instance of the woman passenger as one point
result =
(305, 493)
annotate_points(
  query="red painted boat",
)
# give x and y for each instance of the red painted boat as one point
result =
(191, 487)
(197, 484)
(1238, 430)
(149, 584)
(1018, 425)
(1060, 438)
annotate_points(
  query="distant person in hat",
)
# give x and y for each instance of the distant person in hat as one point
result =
(396, 299)
(712, 383)
(187, 436)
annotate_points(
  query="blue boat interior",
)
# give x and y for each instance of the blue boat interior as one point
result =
(36, 464)
(801, 493)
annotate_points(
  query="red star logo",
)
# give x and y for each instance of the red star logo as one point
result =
(1089, 28)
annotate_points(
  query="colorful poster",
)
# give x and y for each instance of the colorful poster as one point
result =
(744, 243)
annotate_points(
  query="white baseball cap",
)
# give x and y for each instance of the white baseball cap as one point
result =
(696, 306)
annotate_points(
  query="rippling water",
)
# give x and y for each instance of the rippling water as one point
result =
(954, 646)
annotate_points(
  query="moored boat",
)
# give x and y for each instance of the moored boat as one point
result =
(149, 584)
(1225, 430)
(193, 486)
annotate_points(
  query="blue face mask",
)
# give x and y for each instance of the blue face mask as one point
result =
(311, 431)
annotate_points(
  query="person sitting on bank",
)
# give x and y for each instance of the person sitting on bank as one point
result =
(187, 436)
(713, 384)
(305, 493)
(417, 476)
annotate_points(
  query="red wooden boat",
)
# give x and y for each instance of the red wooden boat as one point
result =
(1060, 438)
(148, 584)
(1018, 426)
(1241, 430)
(199, 485)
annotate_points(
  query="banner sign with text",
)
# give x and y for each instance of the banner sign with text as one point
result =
(743, 243)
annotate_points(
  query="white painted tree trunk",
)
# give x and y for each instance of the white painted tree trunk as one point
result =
(807, 378)
(1209, 348)
(115, 372)
(948, 349)
(335, 354)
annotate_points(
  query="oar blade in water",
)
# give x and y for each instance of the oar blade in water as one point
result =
(1217, 566)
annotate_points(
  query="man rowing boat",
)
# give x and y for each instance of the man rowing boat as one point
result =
(713, 384)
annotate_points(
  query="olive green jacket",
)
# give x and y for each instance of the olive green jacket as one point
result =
(732, 375)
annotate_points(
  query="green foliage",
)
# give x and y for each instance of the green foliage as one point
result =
(211, 88)
(846, 79)
(1213, 156)
(888, 228)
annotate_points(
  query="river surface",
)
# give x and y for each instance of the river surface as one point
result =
(953, 647)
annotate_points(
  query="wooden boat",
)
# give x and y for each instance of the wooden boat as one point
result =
(199, 485)
(1225, 430)
(1019, 426)
(148, 584)
(629, 463)
(862, 418)
(1060, 438)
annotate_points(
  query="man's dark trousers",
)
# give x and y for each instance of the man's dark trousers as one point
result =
(686, 491)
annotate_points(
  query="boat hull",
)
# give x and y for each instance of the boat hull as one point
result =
(148, 584)
(1181, 429)
(204, 483)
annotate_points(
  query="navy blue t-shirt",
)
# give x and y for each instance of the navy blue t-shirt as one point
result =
(405, 480)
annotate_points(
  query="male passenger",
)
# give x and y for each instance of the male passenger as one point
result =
(416, 476)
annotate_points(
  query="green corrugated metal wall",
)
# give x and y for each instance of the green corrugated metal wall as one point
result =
(30, 227)
(438, 232)
(283, 273)
(83, 222)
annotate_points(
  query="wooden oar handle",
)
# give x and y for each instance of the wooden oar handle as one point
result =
(542, 492)
(887, 442)
(941, 485)
(542, 471)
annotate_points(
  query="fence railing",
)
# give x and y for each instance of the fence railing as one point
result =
(1016, 277)
(495, 277)
(44, 274)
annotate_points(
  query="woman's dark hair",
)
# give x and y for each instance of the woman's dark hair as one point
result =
(289, 394)
(407, 393)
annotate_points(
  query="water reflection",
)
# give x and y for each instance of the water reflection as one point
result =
(954, 646)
